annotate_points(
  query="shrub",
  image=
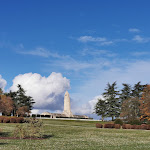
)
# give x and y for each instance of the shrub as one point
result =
(109, 125)
(1, 119)
(19, 119)
(132, 126)
(144, 126)
(31, 129)
(148, 127)
(127, 126)
(6, 120)
(12, 120)
(135, 122)
(38, 115)
(20, 131)
(137, 126)
(117, 126)
(118, 121)
(98, 125)
(33, 115)
(123, 126)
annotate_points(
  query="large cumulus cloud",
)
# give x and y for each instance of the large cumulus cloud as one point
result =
(2, 82)
(47, 92)
(87, 108)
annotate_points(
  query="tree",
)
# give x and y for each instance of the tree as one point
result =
(21, 101)
(138, 90)
(1, 91)
(6, 105)
(112, 101)
(23, 111)
(15, 104)
(130, 109)
(100, 108)
(125, 92)
(145, 103)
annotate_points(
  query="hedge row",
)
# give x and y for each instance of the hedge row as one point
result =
(124, 126)
(4, 119)
(142, 126)
(116, 126)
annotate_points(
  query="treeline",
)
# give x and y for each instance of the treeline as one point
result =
(129, 103)
(15, 103)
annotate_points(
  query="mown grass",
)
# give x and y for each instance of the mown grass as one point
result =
(78, 135)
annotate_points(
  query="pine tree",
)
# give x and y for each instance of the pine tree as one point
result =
(112, 101)
(21, 100)
(125, 92)
(137, 90)
(100, 108)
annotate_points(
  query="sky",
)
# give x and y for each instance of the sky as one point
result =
(52, 46)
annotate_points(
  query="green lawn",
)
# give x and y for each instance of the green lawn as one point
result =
(78, 135)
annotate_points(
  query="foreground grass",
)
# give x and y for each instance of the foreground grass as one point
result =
(78, 135)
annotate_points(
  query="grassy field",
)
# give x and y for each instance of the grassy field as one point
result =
(78, 135)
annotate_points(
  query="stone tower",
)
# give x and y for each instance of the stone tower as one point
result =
(67, 108)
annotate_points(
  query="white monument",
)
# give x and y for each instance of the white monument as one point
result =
(67, 110)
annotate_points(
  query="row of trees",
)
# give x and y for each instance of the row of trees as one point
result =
(129, 103)
(15, 103)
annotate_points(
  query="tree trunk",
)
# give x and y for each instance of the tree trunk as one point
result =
(102, 118)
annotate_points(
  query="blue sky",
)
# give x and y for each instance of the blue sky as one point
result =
(90, 43)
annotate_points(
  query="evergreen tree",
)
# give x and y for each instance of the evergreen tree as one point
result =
(21, 100)
(112, 101)
(130, 108)
(137, 90)
(100, 108)
(125, 92)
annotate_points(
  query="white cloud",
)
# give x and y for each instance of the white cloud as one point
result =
(140, 53)
(134, 30)
(40, 52)
(48, 92)
(87, 108)
(77, 65)
(107, 43)
(100, 40)
(2, 82)
(140, 39)
(124, 73)
(97, 52)
(85, 39)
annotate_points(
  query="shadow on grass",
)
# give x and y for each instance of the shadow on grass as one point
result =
(4, 134)
(3, 143)
(47, 136)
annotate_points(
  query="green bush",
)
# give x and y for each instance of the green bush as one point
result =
(118, 121)
(135, 122)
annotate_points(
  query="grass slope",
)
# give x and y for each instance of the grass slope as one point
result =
(78, 135)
